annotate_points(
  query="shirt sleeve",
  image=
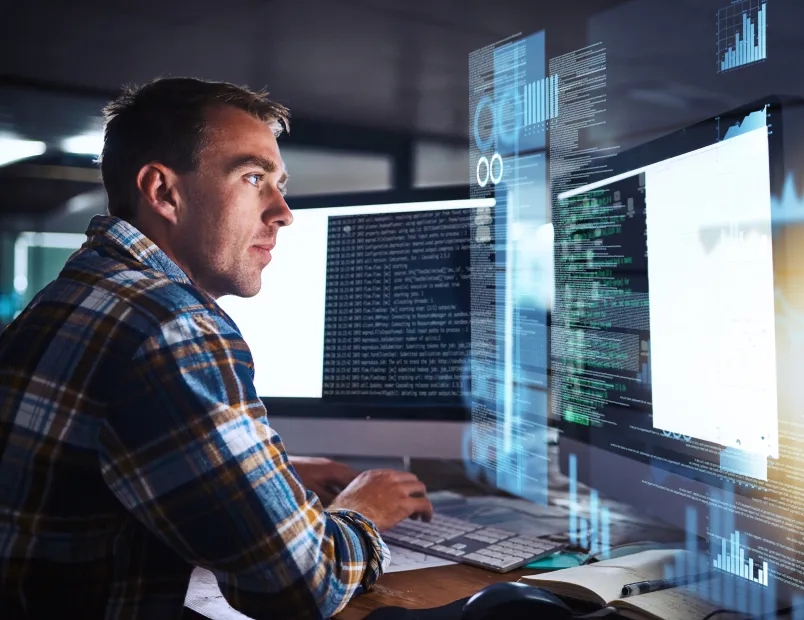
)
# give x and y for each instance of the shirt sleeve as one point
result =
(188, 451)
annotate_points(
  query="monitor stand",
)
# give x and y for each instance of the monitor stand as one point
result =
(363, 463)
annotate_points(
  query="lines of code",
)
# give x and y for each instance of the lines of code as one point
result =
(397, 314)
(582, 76)
(481, 122)
(485, 303)
(600, 345)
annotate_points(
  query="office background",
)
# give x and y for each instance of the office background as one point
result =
(377, 90)
(379, 93)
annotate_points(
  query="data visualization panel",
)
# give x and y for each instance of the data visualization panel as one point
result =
(742, 34)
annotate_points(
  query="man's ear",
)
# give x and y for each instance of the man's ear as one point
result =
(158, 186)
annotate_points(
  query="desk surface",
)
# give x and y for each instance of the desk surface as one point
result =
(433, 587)
(429, 587)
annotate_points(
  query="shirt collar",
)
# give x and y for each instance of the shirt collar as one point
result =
(107, 230)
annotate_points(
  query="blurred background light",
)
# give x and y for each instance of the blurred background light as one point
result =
(13, 149)
(85, 144)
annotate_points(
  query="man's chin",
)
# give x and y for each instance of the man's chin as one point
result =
(248, 292)
(245, 289)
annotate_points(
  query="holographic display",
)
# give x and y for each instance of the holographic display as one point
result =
(742, 34)
(513, 103)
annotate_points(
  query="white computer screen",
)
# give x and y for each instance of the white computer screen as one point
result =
(284, 324)
(711, 302)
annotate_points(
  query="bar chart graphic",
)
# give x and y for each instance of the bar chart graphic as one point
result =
(731, 589)
(732, 560)
(540, 101)
(742, 34)
(594, 532)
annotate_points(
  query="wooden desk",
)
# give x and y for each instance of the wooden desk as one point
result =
(433, 587)
(429, 587)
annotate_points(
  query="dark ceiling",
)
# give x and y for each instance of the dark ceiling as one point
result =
(386, 65)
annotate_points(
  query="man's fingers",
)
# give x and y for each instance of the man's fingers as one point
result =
(400, 476)
(391, 476)
(421, 508)
(413, 489)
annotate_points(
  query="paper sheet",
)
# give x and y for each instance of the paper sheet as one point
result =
(405, 559)
(204, 596)
(671, 604)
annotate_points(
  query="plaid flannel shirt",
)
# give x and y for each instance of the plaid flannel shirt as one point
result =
(133, 446)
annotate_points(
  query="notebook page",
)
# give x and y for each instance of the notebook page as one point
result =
(670, 604)
(607, 578)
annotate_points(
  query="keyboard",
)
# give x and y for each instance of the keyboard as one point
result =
(461, 541)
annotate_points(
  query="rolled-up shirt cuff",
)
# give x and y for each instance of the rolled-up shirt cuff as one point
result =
(378, 555)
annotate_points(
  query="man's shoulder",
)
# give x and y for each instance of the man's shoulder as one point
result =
(129, 290)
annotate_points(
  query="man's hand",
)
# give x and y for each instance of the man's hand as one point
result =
(323, 477)
(386, 497)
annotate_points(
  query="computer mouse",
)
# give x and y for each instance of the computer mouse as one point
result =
(515, 601)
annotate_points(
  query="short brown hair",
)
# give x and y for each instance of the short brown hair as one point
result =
(165, 121)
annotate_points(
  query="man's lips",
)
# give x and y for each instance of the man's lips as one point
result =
(264, 250)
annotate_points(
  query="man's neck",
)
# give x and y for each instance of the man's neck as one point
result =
(157, 235)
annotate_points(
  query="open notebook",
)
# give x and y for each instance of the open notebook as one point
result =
(601, 583)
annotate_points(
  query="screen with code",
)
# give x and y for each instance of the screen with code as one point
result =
(397, 305)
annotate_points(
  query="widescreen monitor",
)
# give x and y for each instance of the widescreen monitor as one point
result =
(361, 333)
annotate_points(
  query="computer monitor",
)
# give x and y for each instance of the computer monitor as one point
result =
(361, 333)
(667, 372)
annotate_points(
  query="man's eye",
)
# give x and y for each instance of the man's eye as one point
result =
(257, 178)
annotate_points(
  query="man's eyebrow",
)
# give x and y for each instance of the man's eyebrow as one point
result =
(250, 161)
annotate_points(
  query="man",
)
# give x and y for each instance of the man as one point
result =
(133, 445)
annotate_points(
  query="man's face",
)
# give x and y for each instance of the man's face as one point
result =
(232, 205)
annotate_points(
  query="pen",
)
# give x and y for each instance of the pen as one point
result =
(643, 587)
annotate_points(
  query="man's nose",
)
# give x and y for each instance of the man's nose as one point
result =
(280, 213)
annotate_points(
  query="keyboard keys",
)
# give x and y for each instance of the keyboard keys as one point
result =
(477, 557)
(454, 539)
(479, 537)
